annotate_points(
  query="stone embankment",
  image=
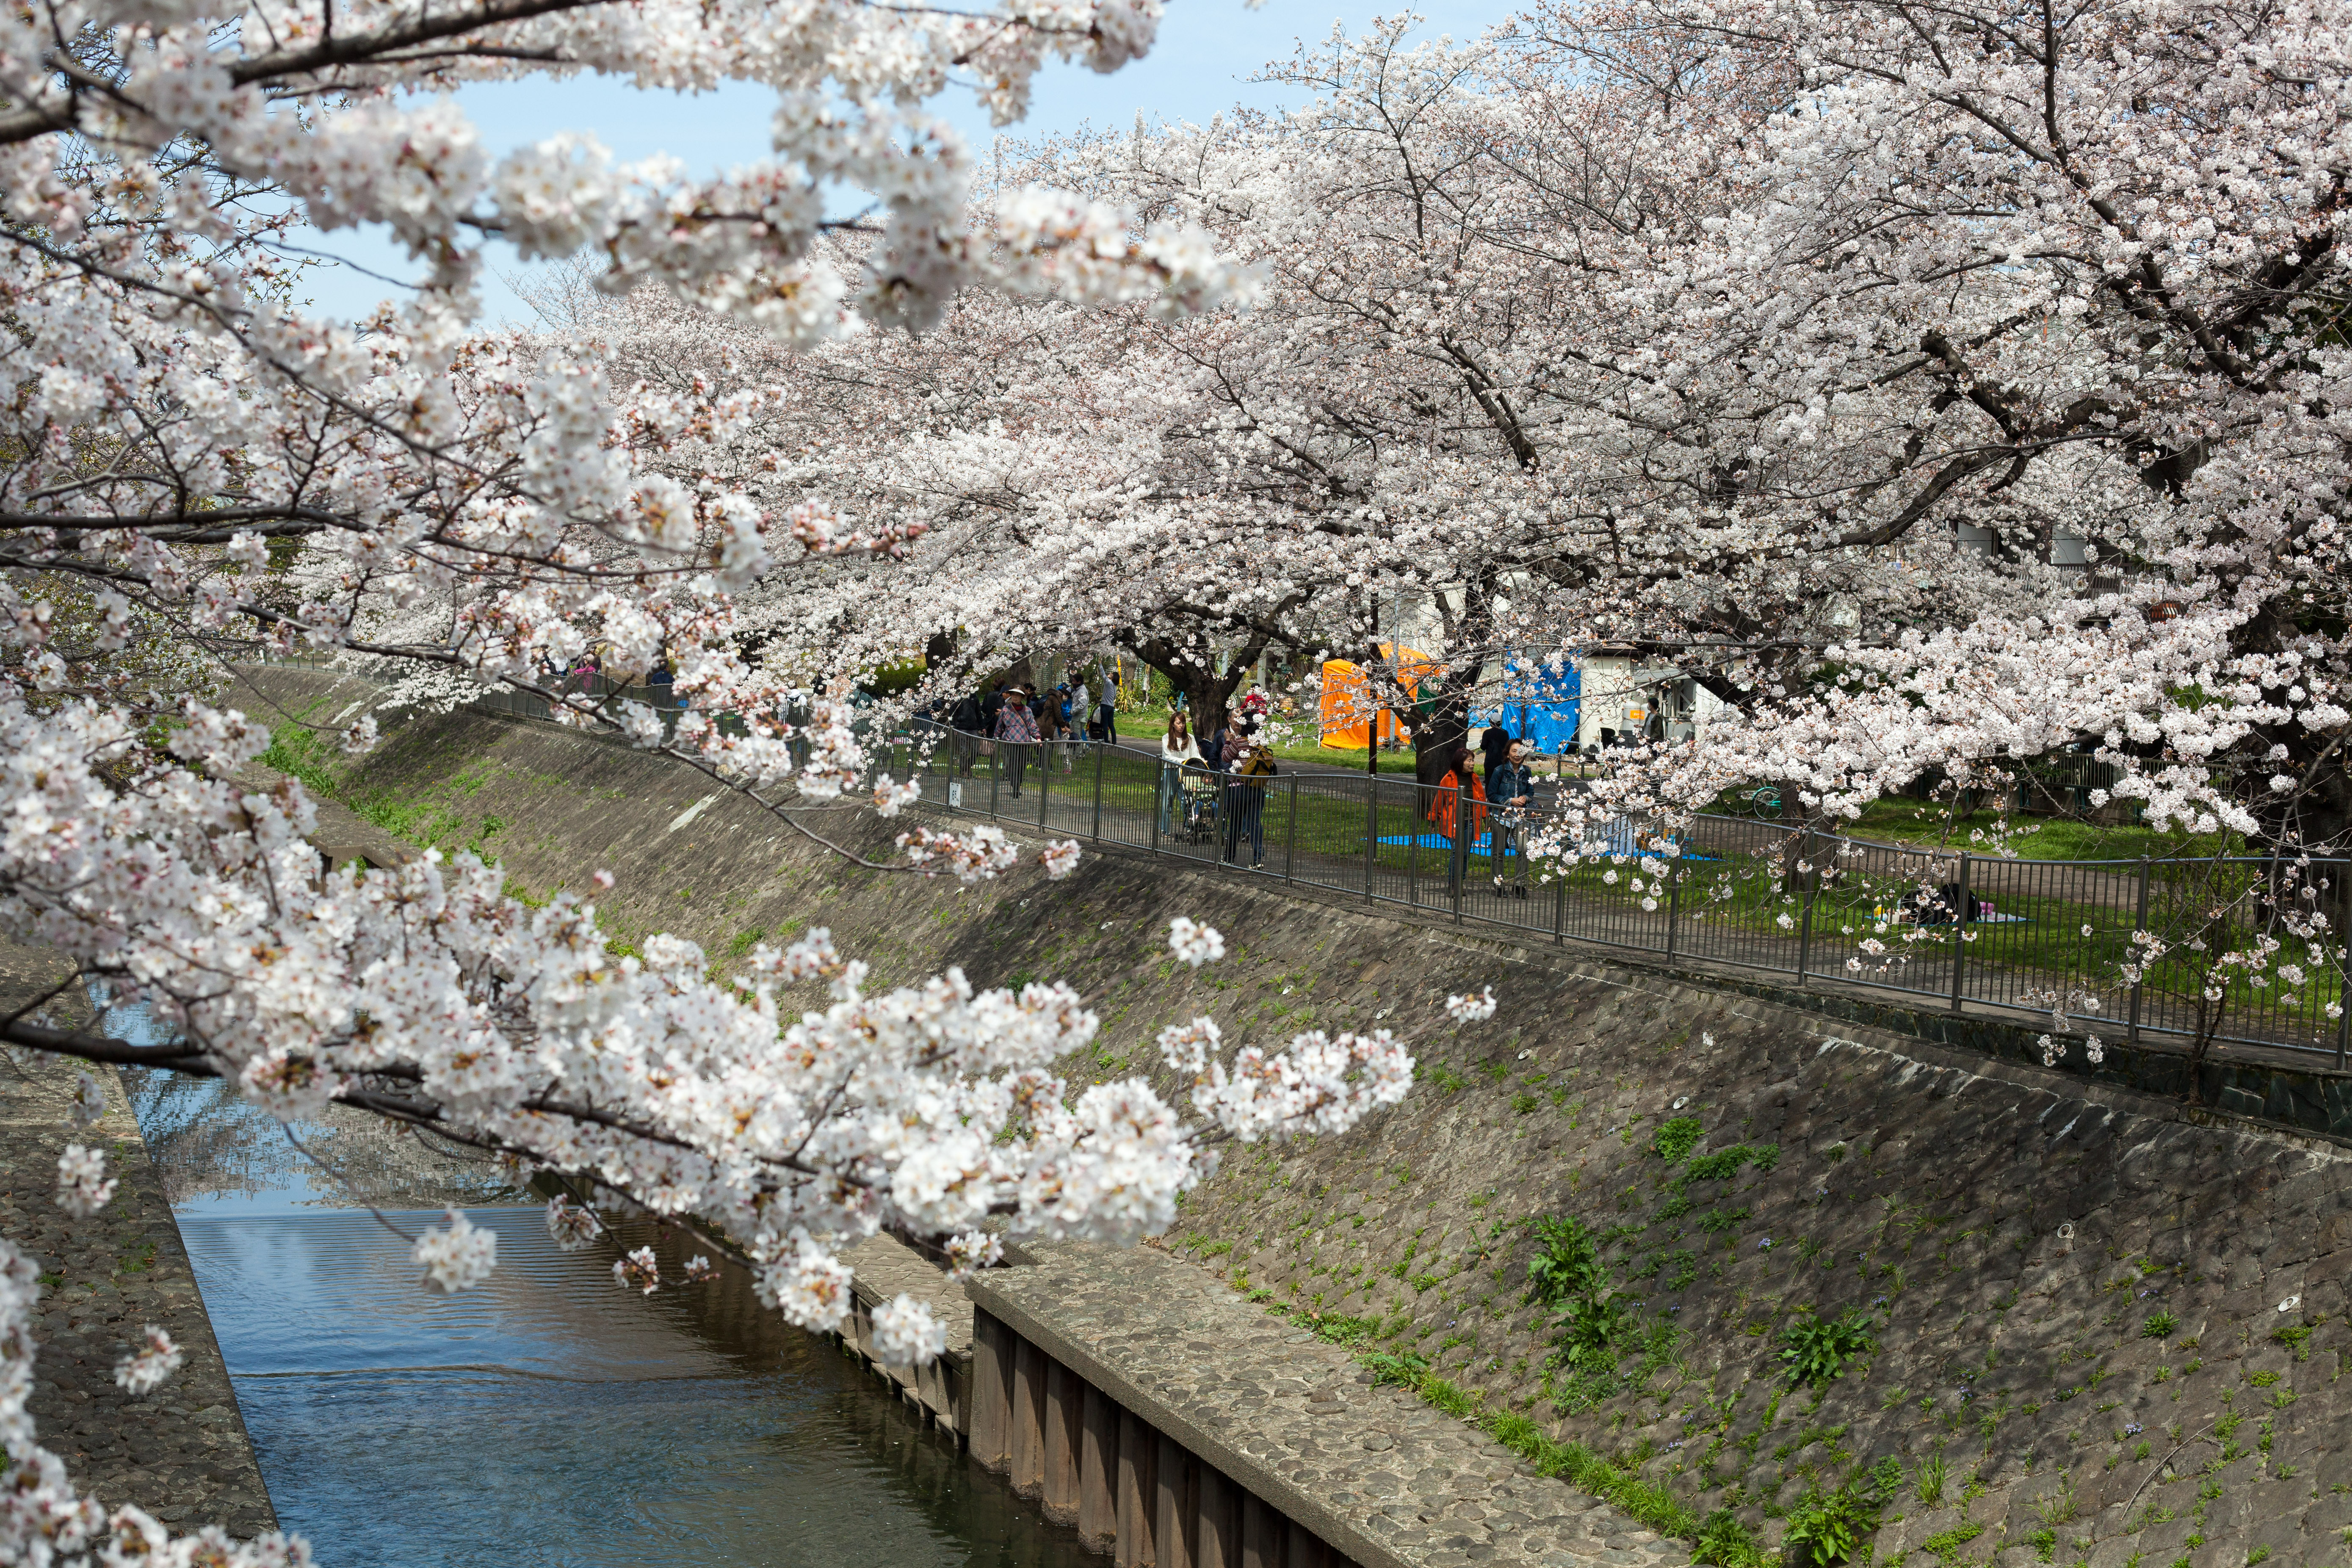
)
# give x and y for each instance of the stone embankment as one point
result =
(1177, 1423)
(2080, 1324)
(180, 1453)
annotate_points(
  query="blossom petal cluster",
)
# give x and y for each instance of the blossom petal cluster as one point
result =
(148, 1368)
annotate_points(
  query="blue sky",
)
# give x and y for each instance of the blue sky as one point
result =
(1206, 54)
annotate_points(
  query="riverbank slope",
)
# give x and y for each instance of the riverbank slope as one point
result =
(2034, 1318)
(182, 1452)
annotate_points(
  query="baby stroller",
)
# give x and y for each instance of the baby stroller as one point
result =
(1199, 787)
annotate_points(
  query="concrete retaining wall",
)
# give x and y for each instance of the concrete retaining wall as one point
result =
(2008, 1230)
(181, 1453)
(1177, 1424)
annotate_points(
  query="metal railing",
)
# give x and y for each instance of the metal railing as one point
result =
(1945, 926)
(1942, 925)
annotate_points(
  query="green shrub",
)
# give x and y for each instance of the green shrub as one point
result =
(1566, 1262)
(1827, 1528)
(1674, 1139)
(1720, 1166)
(1817, 1351)
(2158, 1326)
(1397, 1369)
(1726, 1542)
(1589, 1330)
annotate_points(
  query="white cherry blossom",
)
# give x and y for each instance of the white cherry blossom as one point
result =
(83, 1186)
(147, 1370)
(456, 1257)
(1194, 943)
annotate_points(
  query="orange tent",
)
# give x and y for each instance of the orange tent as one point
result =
(1346, 706)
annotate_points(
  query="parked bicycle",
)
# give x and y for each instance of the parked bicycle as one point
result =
(1764, 802)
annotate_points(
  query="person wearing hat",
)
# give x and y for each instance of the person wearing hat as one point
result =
(1017, 733)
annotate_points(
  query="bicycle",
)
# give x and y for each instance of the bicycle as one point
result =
(1764, 801)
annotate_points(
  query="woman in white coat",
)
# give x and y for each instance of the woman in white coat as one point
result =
(1176, 748)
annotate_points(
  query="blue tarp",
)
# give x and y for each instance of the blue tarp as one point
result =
(1537, 704)
(1439, 841)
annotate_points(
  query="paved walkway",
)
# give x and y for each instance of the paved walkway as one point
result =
(1376, 1473)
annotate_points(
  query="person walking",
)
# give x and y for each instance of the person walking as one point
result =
(1496, 743)
(1062, 729)
(1247, 767)
(1212, 750)
(967, 726)
(1017, 733)
(1081, 702)
(1107, 711)
(1177, 747)
(1510, 791)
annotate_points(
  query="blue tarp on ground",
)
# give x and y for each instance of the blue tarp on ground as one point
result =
(1536, 705)
(1439, 841)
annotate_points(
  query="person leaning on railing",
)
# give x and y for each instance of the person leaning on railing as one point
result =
(967, 727)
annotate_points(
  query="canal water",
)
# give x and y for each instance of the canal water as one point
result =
(550, 1416)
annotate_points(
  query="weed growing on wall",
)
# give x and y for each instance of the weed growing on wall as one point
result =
(1830, 1524)
(1817, 1350)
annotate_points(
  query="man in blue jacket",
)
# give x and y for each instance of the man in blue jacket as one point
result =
(1510, 791)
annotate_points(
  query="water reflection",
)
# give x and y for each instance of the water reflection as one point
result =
(550, 1417)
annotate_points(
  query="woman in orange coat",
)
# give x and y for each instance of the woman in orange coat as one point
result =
(1442, 810)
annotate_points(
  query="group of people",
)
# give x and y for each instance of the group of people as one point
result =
(1239, 759)
(1015, 717)
(1499, 788)
(1229, 769)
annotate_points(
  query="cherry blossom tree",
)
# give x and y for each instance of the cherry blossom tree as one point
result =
(1940, 393)
(193, 469)
(1591, 332)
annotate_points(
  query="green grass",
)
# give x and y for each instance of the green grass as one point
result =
(1150, 723)
(1902, 820)
(1647, 1501)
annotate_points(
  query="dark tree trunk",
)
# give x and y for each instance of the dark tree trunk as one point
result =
(940, 652)
(1208, 696)
(1436, 736)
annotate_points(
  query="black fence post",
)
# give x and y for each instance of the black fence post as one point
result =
(1674, 899)
(1559, 902)
(1045, 777)
(1805, 930)
(995, 772)
(1371, 831)
(1290, 834)
(2139, 924)
(1412, 852)
(1459, 860)
(1098, 777)
(1959, 920)
(2343, 994)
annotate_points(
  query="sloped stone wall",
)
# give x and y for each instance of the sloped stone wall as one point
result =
(180, 1453)
(2007, 1233)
